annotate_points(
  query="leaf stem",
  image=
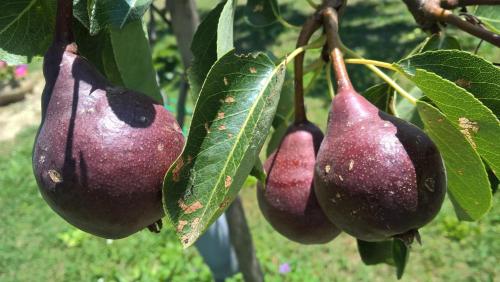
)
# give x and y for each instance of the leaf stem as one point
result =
(371, 62)
(383, 76)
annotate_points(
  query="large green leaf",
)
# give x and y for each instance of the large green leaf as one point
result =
(134, 60)
(213, 39)
(99, 14)
(474, 74)
(490, 16)
(261, 12)
(468, 184)
(476, 122)
(26, 28)
(230, 122)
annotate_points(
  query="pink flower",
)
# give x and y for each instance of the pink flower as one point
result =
(21, 71)
(284, 268)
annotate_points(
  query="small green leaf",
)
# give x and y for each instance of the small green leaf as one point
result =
(375, 252)
(489, 16)
(230, 123)
(261, 12)
(440, 41)
(473, 73)
(379, 95)
(212, 39)
(134, 60)
(468, 184)
(476, 122)
(401, 254)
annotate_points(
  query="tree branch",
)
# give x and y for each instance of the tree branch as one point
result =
(433, 10)
(241, 239)
(452, 4)
(185, 20)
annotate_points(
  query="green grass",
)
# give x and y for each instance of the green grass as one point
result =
(37, 245)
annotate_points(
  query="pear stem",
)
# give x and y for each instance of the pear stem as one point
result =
(330, 21)
(310, 26)
(64, 20)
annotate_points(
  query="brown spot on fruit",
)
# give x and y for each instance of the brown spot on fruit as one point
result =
(228, 181)
(55, 176)
(252, 70)
(220, 115)
(161, 147)
(222, 127)
(328, 168)
(229, 99)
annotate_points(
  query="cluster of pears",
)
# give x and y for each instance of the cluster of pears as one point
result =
(373, 176)
(101, 151)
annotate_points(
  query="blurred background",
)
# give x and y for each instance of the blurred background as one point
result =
(37, 245)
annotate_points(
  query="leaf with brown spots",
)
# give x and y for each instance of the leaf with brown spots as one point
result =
(470, 72)
(229, 126)
(463, 109)
(468, 184)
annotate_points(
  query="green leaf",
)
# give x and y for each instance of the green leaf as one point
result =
(134, 60)
(375, 252)
(26, 28)
(401, 254)
(468, 184)
(212, 39)
(476, 122)
(379, 95)
(490, 16)
(99, 14)
(230, 123)
(261, 12)
(440, 41)
(474, 74)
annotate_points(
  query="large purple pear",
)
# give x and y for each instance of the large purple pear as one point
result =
(377, 176)
(101, 151)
